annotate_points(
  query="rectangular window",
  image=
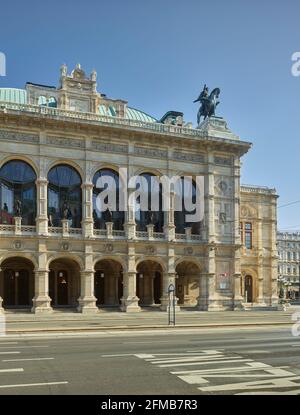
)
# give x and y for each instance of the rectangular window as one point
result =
(248, 235)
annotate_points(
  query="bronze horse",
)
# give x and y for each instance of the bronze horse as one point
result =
(208, 104)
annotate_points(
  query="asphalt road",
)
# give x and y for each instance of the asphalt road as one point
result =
(181, 362)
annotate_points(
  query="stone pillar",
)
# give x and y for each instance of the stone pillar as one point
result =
(1, 308)
(109, 229)
(130, 225)
(41, 301)
(130, 301)
(87, 299)
(150, 230)
(65, 227)
(237, 280)
(18, 225)
(188, 233)
(237, 276)
(203, 294)
(212, 300)
(42, 217)
(87, 209)
(169, 227)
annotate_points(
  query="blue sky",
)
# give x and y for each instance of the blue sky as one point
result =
(158, 54)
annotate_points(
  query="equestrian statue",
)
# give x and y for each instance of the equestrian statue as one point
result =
(208, 103)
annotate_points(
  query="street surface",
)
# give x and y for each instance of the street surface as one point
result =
(175, 362)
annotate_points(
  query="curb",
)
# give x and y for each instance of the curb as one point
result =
(135, 328)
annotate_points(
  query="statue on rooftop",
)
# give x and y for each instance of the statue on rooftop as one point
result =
(208, 103)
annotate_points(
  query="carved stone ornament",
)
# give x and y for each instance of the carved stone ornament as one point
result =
(108, 247)
(65, 246)
(17, 244)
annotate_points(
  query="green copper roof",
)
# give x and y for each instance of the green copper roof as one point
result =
(131, 113)
(19, 96)
(13, 95)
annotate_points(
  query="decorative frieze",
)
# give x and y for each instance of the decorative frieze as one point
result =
(23, 137)
(194, 158)
(109, 147)
(223, 161)
(150, 152)
(65, 142)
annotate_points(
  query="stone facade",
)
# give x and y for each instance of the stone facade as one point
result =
(90, 268)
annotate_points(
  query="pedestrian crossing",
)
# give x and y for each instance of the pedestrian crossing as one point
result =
(221, 372)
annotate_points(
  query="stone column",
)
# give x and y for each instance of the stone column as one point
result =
(203, 294)
(150, 230)
(87, 210)
(237, 276)
(212, 300)
(65, 227)
(237, 280)
(87, 299)
(188, 233)
(1, 300)
(42, 201)
(130, 225)
(18, 225)
(109, 229)
(41, 301)
(169, 227)
(130, 301)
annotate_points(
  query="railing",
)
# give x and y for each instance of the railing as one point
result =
(109, 120)
(98, 233)
(10, 229)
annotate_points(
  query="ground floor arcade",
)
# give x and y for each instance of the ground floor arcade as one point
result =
(64, 284)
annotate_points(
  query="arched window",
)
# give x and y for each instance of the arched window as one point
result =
(64, 196)
(52, 102)
(42, 101)
(145, 217)
(17, 192)
(182, 191)
(100, 217)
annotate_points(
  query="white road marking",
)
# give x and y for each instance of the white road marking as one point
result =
(264, 375)
(210, 362)
(10, 352)
(11, 370)
(24, 360)
(23, 385)
(8, 343)
(20, 347)
(286, 382)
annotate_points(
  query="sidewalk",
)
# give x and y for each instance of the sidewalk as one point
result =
(68, 321)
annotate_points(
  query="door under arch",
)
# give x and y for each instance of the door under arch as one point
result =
(249, 288)
(16, 288)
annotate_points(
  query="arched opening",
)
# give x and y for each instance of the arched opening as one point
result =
(248, 289)
(185, 197)
(187, 284)
(149, 283)
(42, 101)
(52, 102)
(114, 215)
(108, 282)
(143, 217)
(64, 196)
(64, 282)
(17, 192)
(17, 282)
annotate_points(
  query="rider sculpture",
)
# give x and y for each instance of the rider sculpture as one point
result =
(208, 103)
